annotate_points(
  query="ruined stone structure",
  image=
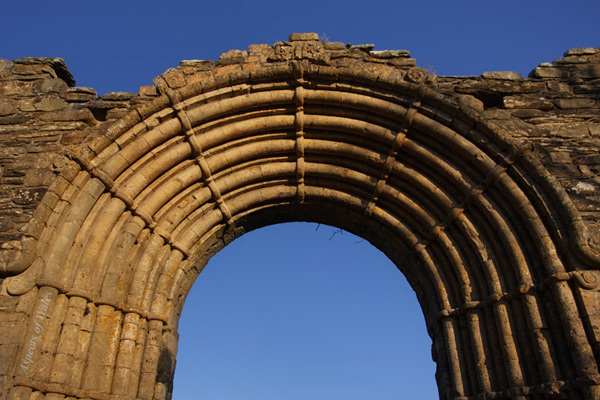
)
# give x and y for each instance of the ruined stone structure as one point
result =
(483, 190)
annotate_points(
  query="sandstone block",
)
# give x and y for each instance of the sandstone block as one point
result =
(539, 103)
(7, 106)
(505, 75)
(334, 46)
(174, 78)
(572, 60)
(148, 91)
(83, 89)
(50, 104)
(119, 96)
(33, 71)
(367, 47)
(403, 62)
(14, 119)
(560, 157)
(560, 87)
(73, 114)
(232, 57)
(41, 147)
(497, 114)
(11, 329)
(576, 131)
(548, 72)
(56, 85)
(6, 224)
(585, 71)
(7, 354)
(298, 37)
(69, 343)
(61, 369)
(55, 396)
(581, 51)
(529, 113)
(27, 104)
(470, 101)
(386, 54)
(5, 67)
(19, 393)
(58, 64)
(116, 113)
(121, 378)
(79, 94)
(259, 48)
(573, 103)
(15, 88)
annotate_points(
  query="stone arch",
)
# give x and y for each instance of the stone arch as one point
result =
(489, 241)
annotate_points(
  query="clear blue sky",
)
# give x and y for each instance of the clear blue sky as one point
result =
(284, 312)
(291, 312)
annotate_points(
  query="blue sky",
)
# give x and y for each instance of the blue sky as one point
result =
(302, 311)
(121, 45)
(289, 312)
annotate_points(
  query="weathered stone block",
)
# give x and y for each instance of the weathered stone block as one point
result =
(148, 91)
(387, 54)
(5, 67)
(15, 119)
(54, 396)
(7, 106)
(560, 157)
(403, 62)
(56, 85)
(232, 57)
(573, 103)
(504, 75)
(585, 71)
(8, 353)
(334, 46)
(15, 88)
(559, 87)
(533, 115)
(33, 71)
(367, 47)
(581, 51)
(79, 94)
(19, 393)
(73, 114)
(50, 104)
(118, 96)
(536, 102)
(470, 101)
(573, 131)
(548, 72)
(27, 196)
(58, 65)
(297, 37)
(6, 224)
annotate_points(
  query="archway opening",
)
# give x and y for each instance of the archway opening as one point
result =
(301, 311)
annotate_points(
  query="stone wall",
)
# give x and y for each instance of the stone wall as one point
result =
(47, 125)
(44, 116)
(557, 110)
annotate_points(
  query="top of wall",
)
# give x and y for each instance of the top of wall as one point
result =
(44, 116)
